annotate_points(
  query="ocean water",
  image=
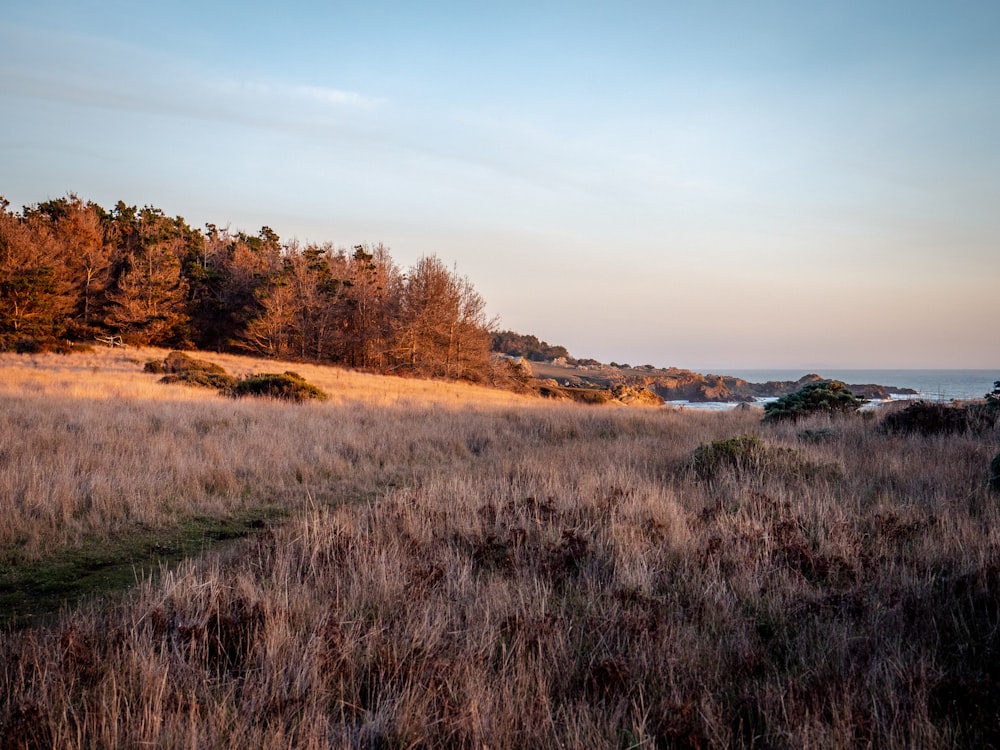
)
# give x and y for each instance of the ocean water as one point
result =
(932, 385)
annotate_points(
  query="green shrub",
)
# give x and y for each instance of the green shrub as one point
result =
(820, 397)
(929, 418)
(181, 362)
(743, 454)
(29, 345)
(289, 386)
(994, 481)
(181, 369)
(993, 397)
(201, 379)
(580, 395)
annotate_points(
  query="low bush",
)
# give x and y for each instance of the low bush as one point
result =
(822, 396)
(29, 345)
(742, 454)
(994, 480)
(201, 379)
(929, 418)
(993, 397)
(179, 368)
(594, 396)
(288, 386)
(43, 345)
(180, 362)
(992, 405)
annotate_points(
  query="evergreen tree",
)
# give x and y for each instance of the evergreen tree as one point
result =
(149, 301)
(36, 295)
(78, 229)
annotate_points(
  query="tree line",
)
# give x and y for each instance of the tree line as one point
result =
(71, 270)
(528, 346)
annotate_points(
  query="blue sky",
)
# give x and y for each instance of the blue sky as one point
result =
(709, 185)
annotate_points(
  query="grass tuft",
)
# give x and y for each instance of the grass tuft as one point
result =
(743, 454)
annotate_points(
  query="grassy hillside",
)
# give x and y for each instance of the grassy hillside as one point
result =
(441, 565)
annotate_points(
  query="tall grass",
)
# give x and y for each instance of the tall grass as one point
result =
(92, 446)
(463, 572)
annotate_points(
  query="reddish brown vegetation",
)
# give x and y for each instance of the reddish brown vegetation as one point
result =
(553, 575)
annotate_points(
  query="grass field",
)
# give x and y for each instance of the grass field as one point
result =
(417, 564)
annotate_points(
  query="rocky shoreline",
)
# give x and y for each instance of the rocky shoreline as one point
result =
(648, 385)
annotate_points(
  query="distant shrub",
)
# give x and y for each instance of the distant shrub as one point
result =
(994, 480)
(587, 395)
(181, 362)
(29, 345)
(551, 389)
(511, 375)
(929, 418)
(201, 379)
(742, 454)
(181, 369)
(289, 386)
(42, 345)
(993, 397)
(819, 397)
(934, 418)
(819, 435)
(527, 346)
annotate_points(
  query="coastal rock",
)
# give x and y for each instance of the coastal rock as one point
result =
(635, 396)
(676, 384)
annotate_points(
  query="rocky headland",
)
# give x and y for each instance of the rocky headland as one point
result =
(649, 385)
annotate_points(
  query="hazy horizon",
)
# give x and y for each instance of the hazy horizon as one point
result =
(772, 186)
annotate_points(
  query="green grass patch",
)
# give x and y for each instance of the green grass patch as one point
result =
(33, 593)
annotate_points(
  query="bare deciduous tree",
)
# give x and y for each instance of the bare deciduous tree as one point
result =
(442, 330)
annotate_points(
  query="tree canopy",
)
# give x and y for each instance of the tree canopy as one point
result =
(527, 346)
(70, 269)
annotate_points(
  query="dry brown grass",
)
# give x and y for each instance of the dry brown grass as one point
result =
(461, 572)
(92, 445)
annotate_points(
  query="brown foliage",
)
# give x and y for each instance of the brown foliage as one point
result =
(71, 268)
(36, 295)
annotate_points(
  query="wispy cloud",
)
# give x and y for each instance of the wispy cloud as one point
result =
(281, 93)
(335, 97)
(120, 76)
